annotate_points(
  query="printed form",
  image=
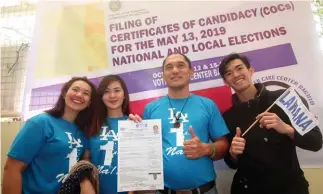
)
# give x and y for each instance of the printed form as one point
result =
(140, 156)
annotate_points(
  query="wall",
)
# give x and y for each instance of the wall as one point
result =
(314, 176)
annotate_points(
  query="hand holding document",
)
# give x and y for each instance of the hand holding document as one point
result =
(140, 158)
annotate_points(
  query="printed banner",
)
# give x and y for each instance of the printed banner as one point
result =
(132, 38)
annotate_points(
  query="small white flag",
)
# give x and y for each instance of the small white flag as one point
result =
(301, 118)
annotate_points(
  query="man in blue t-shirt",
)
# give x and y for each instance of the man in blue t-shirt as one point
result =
(189, 122)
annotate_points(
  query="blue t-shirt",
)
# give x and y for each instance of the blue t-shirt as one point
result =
(50, 146)
(104, 155)
(206, 120)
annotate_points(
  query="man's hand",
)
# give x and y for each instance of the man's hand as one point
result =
(194, 148)
(272, 121)
(237, 145)
(134, 117)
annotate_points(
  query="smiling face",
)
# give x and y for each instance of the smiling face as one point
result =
(78, 96)
(113, 96)
(177, 72)
(238, 76)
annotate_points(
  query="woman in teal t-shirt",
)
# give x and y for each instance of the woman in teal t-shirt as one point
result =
(50, 143)
(113, 99)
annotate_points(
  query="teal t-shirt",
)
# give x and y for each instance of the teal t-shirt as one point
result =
(206, 120)
(50, 146)
(104, 155)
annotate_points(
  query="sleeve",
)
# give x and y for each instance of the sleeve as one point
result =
(28, 142)
(217, 126)
(227, 158)
(311, 141)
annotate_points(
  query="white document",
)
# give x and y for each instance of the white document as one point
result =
(140, 156)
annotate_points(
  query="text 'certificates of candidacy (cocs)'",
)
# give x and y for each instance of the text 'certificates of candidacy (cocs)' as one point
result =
(140, 156)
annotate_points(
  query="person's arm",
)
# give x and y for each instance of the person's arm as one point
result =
(24, 148)
(218, 150)
(237, 146)
(12, 179)
(194, 148)
(86, 187)
(86, 155)
(311, 141)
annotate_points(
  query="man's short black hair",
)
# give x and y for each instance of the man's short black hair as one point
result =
(185, 58)
(225, 62)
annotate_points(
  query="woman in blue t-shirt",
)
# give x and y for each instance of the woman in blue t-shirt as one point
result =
(113, 105)
(50, 143)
